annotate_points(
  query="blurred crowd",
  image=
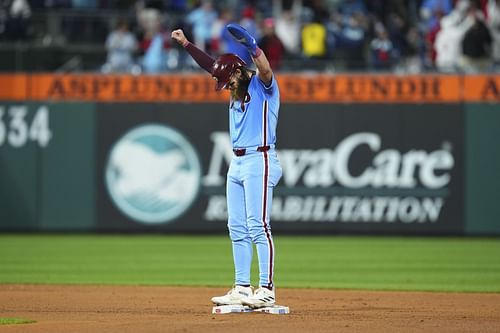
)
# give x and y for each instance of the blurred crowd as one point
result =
(409, 36)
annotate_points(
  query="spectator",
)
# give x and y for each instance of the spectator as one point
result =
(396, 29)
(121, 45)
(155, 57)
(381, 49)
(18, 24)
(272, 45)
(493, 10)
(201, 20)
(413, 59)
(147, 40)
(314, 40)
(476, 44)
(449, 38)
(248, 21)
(335, 30)
(149, 17)
(218, 41)
(349, 39)
(154, 47)
(430, 53)
(431, 12)
(288, 25)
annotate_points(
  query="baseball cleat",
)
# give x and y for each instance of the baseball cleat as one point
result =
(234, 296)
(262, 297)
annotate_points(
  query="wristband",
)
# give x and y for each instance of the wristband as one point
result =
(258, 52)
(186, 43)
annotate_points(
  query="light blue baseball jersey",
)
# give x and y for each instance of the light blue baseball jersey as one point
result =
(252, 122)
(251, 178)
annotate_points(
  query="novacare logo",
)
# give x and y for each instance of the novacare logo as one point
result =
(153, 174)
(326, 167)
(325, 185)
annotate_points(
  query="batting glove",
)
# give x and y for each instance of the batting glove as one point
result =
(241, 35)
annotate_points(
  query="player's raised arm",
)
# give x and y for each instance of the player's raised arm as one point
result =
(203, 59)
(264, 71)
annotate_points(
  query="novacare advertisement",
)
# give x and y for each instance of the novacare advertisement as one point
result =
(346, 168)
(409, 187)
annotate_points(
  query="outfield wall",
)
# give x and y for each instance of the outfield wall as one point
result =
(371, 154)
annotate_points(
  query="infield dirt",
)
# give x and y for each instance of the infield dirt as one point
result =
(168, 309)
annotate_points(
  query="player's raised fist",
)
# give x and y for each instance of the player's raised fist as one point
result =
(179, 37)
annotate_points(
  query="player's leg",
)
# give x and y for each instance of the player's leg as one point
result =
(240, 239)
(238, 232)
(260, 230)
(261, 177)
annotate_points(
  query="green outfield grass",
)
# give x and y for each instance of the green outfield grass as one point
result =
(379, 263)
(13, 321)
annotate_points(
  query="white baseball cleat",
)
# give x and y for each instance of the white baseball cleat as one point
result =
(262, 297)
(234, 296)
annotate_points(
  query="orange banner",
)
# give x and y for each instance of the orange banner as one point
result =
(482, 88)
(369, 88)
(14, 87)
(294, 88)
(114, 88)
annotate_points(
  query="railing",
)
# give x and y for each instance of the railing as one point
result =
(61, 39)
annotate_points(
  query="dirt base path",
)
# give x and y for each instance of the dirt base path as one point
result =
(167, 309)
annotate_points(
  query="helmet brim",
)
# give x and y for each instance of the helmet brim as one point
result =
(219, 85)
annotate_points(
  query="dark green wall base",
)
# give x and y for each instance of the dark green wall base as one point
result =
(482, 169)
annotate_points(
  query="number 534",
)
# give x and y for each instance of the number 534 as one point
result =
(15, 130)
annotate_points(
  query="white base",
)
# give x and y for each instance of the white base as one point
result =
(276, 309)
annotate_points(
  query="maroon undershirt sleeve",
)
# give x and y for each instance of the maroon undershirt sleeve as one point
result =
(203, 59)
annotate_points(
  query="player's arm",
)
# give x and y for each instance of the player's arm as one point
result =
(264, 71)
(203, 59)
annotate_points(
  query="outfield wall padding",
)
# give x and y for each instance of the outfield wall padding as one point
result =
(83, 161)
(482, 195)
(47, 166)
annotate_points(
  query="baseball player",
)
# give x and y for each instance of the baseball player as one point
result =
(254, 169)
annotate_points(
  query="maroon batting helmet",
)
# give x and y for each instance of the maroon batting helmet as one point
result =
(224, 67)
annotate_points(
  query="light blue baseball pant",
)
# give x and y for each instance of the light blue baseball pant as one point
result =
(250, 182)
